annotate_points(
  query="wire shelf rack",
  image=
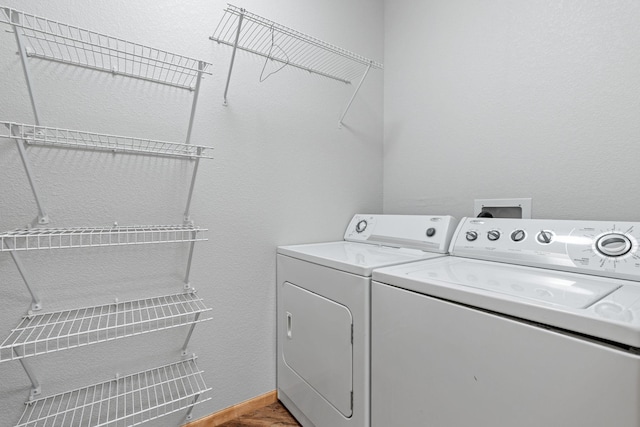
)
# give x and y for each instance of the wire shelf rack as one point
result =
(126, 401)
(48, 332)
(274, 41)
(49, 136)
(52, 40)
(23, 239)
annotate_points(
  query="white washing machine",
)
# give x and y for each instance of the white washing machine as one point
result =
(530, 323)
(324, 297)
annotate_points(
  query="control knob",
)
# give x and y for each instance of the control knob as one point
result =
(431, 232)
(361, 226)
(471, 235)
(544, 237)
(614, 245)
(518, 235)
(493, 235)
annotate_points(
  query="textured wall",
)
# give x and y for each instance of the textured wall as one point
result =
(502, 98)
(283, 173)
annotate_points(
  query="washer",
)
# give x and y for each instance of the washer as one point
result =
(323, 293)
(530, 323)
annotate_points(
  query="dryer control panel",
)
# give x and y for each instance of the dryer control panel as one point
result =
(425, 232)
(602, 248)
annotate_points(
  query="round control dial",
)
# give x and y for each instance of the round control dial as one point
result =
(431, 232)
(518, 235)
(471, 236)
(613, 245)
(545, 237)
(493, 235)
(361, 226)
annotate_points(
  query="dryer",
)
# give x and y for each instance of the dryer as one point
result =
(529, 323)
(323, 306)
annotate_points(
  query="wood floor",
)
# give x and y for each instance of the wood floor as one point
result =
(272, 415)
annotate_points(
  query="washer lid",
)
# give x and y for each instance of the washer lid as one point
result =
(356, 258)
(596, 306)
(546, 286)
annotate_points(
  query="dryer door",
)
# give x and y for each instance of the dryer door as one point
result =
(318, 344)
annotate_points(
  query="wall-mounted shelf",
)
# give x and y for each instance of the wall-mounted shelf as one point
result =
(147, 395)
(48, 332)
(49, 136)
(82, 326)
(126, 401)
(52, 40)
(252, 33)
(23, 239)
(44, 38)
(293, 47)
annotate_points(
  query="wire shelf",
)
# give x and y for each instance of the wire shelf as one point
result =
(23, 239)
(274, 41)
(126, 401)
(62, 330)
(65, 43)
(49, 136)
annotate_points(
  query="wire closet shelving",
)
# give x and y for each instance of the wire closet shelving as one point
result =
(147, 395)
(252, 33)
(56, 41)
(24, 239)
(67, 138)
(130, 400)
(48, 332)
(43, 38)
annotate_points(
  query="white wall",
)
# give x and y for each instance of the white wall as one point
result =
(503, 98)
(283, 173)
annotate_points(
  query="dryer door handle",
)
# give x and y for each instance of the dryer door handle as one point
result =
(289, 321)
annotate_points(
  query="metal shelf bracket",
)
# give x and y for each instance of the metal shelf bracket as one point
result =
(187, 211)
(364, 76)
(36, 389)
(187, 284)
(189, 416)
(43, 217)
(36, 303)
(188, 338)
(241, 13)
(201, 68)
(14, 18)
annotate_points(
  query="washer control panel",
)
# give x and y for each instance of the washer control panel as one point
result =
(425, 232)
(604, 248)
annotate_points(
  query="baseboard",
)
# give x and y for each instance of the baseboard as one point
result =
(235, 411)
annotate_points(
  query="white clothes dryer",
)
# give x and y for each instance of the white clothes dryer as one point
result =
(323, 293)
(529, 323)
